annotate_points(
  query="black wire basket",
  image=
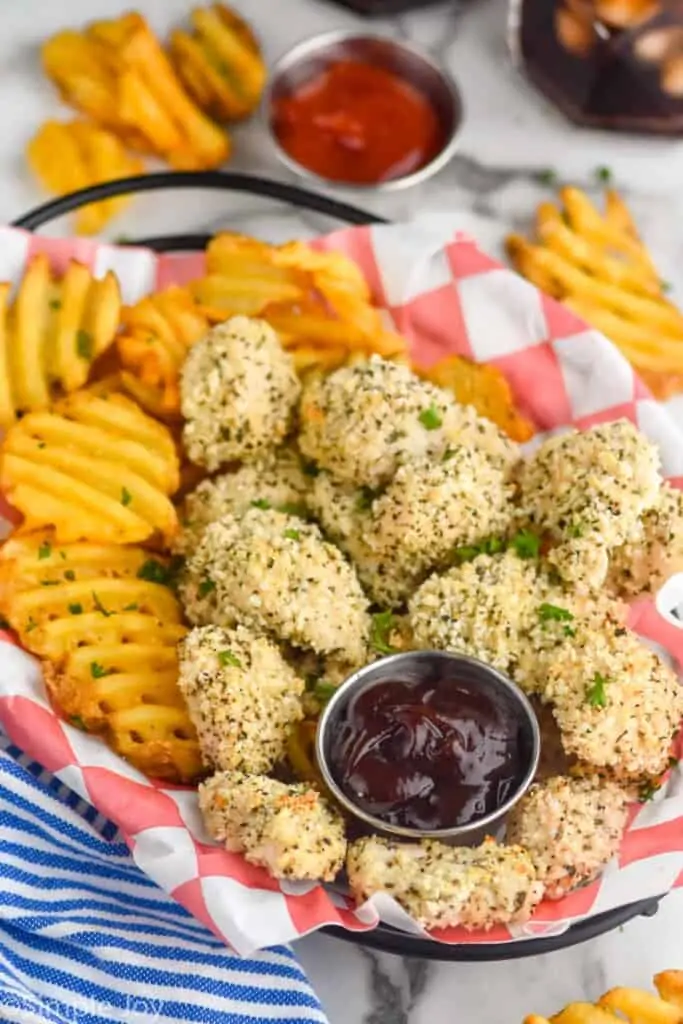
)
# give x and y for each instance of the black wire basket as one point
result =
(383, 938)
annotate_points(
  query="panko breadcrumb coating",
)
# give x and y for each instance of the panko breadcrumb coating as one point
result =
(571, 827)
(616, 703)
(481, 608)
(241, 695)
(289, 830)
(275, 573)
(443, 886)
(426, 511)
(588, 491)
(238, 393)
(363, 421)
(644, 564)
(276, 479)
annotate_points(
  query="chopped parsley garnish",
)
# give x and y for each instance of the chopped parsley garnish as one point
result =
(666, 286)
(156, 572)
(431, 418)
(526, 544)
(292, 535)
(77, 722)
(547, 176)
(323, 690)
(448, 454)
(84, 344)
(70, 575)
(468, 552)
(596, 694)
(228, 658)
(130, 607)
(575, 530)
(75, 609)
(261, 503)
(126, 496)
(603, 174)
(99, 607)
(49, 583)
(206, 586)
(98, 671)
(673, 762)
(380, 630)
(55, 304)
(45, 550)
(569, 631)
(553, 613)
(649, 790)
(41, 444)
(31, 624)
(365, 498)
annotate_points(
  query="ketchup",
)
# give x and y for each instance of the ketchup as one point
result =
(427, 755)
(358, 123)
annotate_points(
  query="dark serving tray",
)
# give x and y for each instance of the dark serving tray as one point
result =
(383, 938)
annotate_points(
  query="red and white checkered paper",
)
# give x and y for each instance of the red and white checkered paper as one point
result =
(446, 296)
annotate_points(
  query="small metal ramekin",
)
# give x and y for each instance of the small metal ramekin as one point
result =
(309, 58)
(414, 667)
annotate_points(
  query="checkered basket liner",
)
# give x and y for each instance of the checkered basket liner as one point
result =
(446, 297)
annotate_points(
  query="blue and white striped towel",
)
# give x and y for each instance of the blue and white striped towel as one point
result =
(86, 938)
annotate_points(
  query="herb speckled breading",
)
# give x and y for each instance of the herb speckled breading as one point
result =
(238, 393)
(444, 886)
(275, 573)
(572, 827)
(616, 703)
(481, 608)
(275, 480)
(290, 830)
(588, 490)
(364, 421)
(643, 564)
(242, 696)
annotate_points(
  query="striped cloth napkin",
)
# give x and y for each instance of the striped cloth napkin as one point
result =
(86, 938)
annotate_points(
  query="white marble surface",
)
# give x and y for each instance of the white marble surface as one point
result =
(509, 135)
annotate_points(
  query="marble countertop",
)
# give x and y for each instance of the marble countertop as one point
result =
(510, 135)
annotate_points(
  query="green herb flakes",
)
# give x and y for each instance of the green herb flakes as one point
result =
(228, 658)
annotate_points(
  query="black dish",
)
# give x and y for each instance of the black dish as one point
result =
(384, 938)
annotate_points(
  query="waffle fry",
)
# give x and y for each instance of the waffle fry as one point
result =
(633, 1005)
(76, 154)
(51, 334)
(598, 266)
(93, 468)
(106, 625)
(156, 334)
(220, 63)
(117, 72)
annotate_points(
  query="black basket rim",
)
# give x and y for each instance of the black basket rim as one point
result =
(384, 938)
(221, 181)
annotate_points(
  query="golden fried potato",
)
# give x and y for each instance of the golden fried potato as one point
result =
(632, 1005)
(220, 63)
(669, 984)
(117, 72)
(639, 1007)
(486, 389)
(598, 266)
(73, 155)
(93, 468)
(318, 302)
(157, 331)
(106, 624)
(51, 333)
